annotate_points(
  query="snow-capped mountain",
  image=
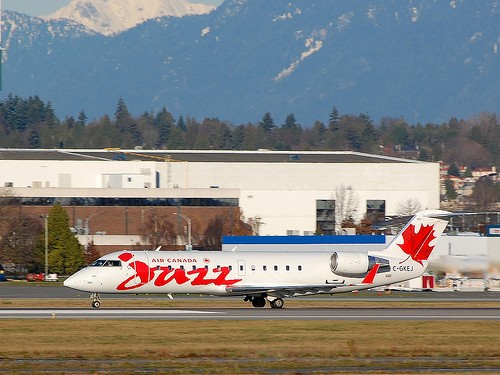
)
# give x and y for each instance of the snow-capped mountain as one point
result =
(110, 17)
(424, 60)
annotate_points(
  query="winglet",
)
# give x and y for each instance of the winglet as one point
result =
(371, 275)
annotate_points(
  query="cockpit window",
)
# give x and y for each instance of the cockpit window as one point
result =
(112, 263)
(98, 263)
(106, 263)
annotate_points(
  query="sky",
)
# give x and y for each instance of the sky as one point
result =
(45, 7)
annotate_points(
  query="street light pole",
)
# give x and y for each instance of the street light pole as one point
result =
(87, 228)
(46, 226)
(189, 245)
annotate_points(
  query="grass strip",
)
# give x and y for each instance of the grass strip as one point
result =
(236, 347)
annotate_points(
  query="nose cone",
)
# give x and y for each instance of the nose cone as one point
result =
(69, 282)
(79, 281)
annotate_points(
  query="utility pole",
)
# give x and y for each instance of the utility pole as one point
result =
(46, 227)
(189, 245)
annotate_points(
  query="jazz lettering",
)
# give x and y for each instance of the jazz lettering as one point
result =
(163, 275)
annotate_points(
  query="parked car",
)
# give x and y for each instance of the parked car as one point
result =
(35, 277)
(51, 277)
(41, 277)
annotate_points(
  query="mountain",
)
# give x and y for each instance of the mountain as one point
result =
(424, 60)
(110, 17)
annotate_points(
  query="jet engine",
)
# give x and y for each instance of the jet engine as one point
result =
(352, 264)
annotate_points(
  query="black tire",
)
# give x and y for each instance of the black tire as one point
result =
(258, 302)
(96, 304)
(277, 303)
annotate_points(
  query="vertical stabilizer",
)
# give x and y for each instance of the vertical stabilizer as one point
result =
(418, 238)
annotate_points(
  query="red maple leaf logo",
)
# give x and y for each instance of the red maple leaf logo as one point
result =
(416, 245)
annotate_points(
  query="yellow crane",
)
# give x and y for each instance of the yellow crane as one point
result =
(167, 158)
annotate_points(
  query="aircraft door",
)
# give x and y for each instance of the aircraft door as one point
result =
(140, 266)
(241, 268)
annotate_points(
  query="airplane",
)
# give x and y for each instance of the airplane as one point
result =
(261, 277)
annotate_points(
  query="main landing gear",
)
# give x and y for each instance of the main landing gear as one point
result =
(260, 301)
(96, 300)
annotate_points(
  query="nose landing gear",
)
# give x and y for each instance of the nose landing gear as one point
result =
(96, 300)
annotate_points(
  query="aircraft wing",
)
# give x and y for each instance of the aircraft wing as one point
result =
(284, 290)
(298, 290)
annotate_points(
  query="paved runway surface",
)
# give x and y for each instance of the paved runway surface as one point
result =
(48, 290)
(259, 314)
(40, 291)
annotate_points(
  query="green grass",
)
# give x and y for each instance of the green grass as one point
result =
(92, 346)
(245, 347)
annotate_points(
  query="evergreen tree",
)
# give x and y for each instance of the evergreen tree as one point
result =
(127, 125)
(290, 122)
(176, 140)
(181, 124)
(123, 118)
(450, 189)
(34, 139)
(423, 155)
(66, 255)
(267, 122)
(164, 122)
(453, 170)
(333, 121)
(82, 118)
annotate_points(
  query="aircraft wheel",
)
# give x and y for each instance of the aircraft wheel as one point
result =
(277, 303)
(258, 302)
(96, 304)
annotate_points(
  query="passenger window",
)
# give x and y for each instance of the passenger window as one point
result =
(275, 268)
(182, 267)
(194, 268)
(230, 268)
(206, 267)
(287, 268)
(241, 267)
(300, 268)
(253, 268)
(169, 267)
(264, 268)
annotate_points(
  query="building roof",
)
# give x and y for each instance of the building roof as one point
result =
(207, 156)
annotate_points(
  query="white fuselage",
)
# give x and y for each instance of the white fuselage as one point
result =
(217, 273)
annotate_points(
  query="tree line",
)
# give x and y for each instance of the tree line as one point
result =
(31, 123)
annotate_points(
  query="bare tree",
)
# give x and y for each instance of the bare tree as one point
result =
(346, 205)
(409, 207)
(19, 235)
(157, 230)
(91, 252)
(222, 226)
(485, 195)
(212, 239)
(18, 246)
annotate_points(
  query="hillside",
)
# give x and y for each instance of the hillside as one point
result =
(424, 60)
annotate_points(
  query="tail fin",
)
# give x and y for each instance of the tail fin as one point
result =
(419, 236)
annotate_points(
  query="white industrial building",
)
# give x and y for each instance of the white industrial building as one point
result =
(288, 192)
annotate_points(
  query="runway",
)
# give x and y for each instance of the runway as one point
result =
(258, 314)
(379, 311)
